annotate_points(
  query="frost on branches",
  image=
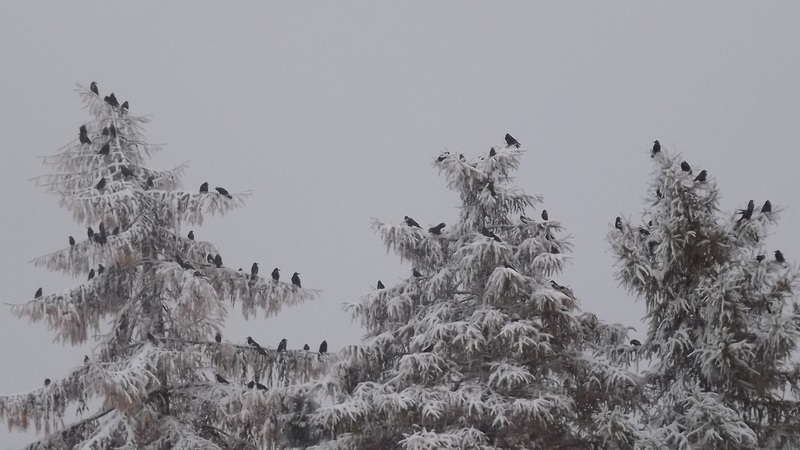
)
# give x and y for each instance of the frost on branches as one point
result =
(723, 319)
(481, 347)
(154, 302)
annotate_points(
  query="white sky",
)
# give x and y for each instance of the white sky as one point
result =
(332, 113)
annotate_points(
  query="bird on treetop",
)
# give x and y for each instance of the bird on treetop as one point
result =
(71, 241)
(779, 257)
(511, 141)
(701, 177)
(254, 271)
(296, 279)
(89, 232)
(747, 213)
(767, 208)
(656, 148)
(125, 105)
(492, 152)
(218, 261)
(282, 345)
(224, 192)
(686, 167)
(204, 187)
(190, 235)
(276, 274)
(544, 214)
(306, 347)
(618, 223)
(411, 222)
(323, 347)
(437, 229)
(380, 285)
(91, 274)
(38, 293)
(105, 149)
(93, 88)
(635, 343)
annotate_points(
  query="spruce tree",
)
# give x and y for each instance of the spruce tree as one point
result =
(480, 347)
(722, 316)
(161, 375)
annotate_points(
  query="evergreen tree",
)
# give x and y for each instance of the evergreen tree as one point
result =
(722, 317)
(480, 347)
(155, 303)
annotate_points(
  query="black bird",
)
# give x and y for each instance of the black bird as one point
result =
(760, 258)
(656, 148)
(282, 345)
(220, 379)
(251, 384)
(82, 130)
(254, 271)
(101, 184)
(91, 274)
(415, 273)
(38, 293)
(323, 347)
(102, 229)
(411, 222)
(635, 343)
(113, 130)
(150, 182)
(618, 223)
(105, 149)
(190, 235)
(47, 382)
(218, 261)
(112, 100)
(701, 177)
(204, 187)
(210, 258)
(490, 234)
(218, 337)
(126, 172)
(251, 342)
(747, 213)
(428, 349)
(100, 269)
(85, 359)
(260, 386)
(93, 88)
(296, 280)
(380, 285)
(492, 152)
(105, 131)
(71, 241)
(306, 347)
(124, 105)
(767, 208)
(779, 257)
(437, 229)
(223, 191)
(276, 274)
(686, 167)
(89, 232)
(85, 139)
(99, 238)
(511, 141)
(658, 193)
(544, 214)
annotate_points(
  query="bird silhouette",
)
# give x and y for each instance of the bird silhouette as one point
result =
(126, 172)
(91, 274)
(105, 131)
(492, 152)
(276, 274)
(767, 208)
(618, 223)
(437, 229)
(296, 279)
(100, 269)
(38, 293)
(204, 187)
(105, 149)
(113, 131)
(747, 213)
(511, 141)
(89, 232)
(701, 177)
(85, 359)
(218, 337)
(656, 149)
(415, 273)
(190, 235)
(223, 191)
(112, 100)
(93, 88)
(282, 345)
(254, 344)
(686, 167)
(635, 343)
(251, 384)
(306, 347)
(779, 257)
(218, 261)
(323, 347)
(760, 258)
(220, 379)
(658, 193)
(380, 285)
(254, 271)
(47, 382)
(486, 232)
(411, 222)
(71, 241)
(125, 105)
(544, 214)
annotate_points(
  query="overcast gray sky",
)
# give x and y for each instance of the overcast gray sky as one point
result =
(332, 113)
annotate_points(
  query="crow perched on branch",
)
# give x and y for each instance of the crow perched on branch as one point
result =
(251, 342)
(218, 261)
(511, 141)
(296, 279)
(380, 285)
(656, 149)
(323, 347)
(38, 293)
(105, 149)
(686, 167)
(411, 222)
(544, 214)
(224, 192)
(618, 223)
(276, 274)
(415, 273)
(767, 208)
(701, 177)
(112, 100)
(125, 105)
(437, 229)
(486, 232)
(254, 271)
(218, 337)
(747, 213)
(492, 152)
(282, 345)
(204, 187)
(635, 343)
(71, 241)
(91, 274)
(190, 235)
(220, 379)
(779, 257)
(93, 88)
(126, 172)
(306, 347)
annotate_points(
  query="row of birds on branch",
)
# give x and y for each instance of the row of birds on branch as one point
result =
(216, 260)
(323, 347)
(222, 191)
(510, 142)
(700, 178)
(433, 230)
(110, 99)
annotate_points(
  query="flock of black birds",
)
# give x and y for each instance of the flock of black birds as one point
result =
(110, 99)
(222, 191)
(323, 347)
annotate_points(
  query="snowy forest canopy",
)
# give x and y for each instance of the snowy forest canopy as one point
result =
(482, 346)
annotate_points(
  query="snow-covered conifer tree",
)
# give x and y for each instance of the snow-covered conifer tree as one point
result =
(481, 347)
(155, 302)
(723, 319)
